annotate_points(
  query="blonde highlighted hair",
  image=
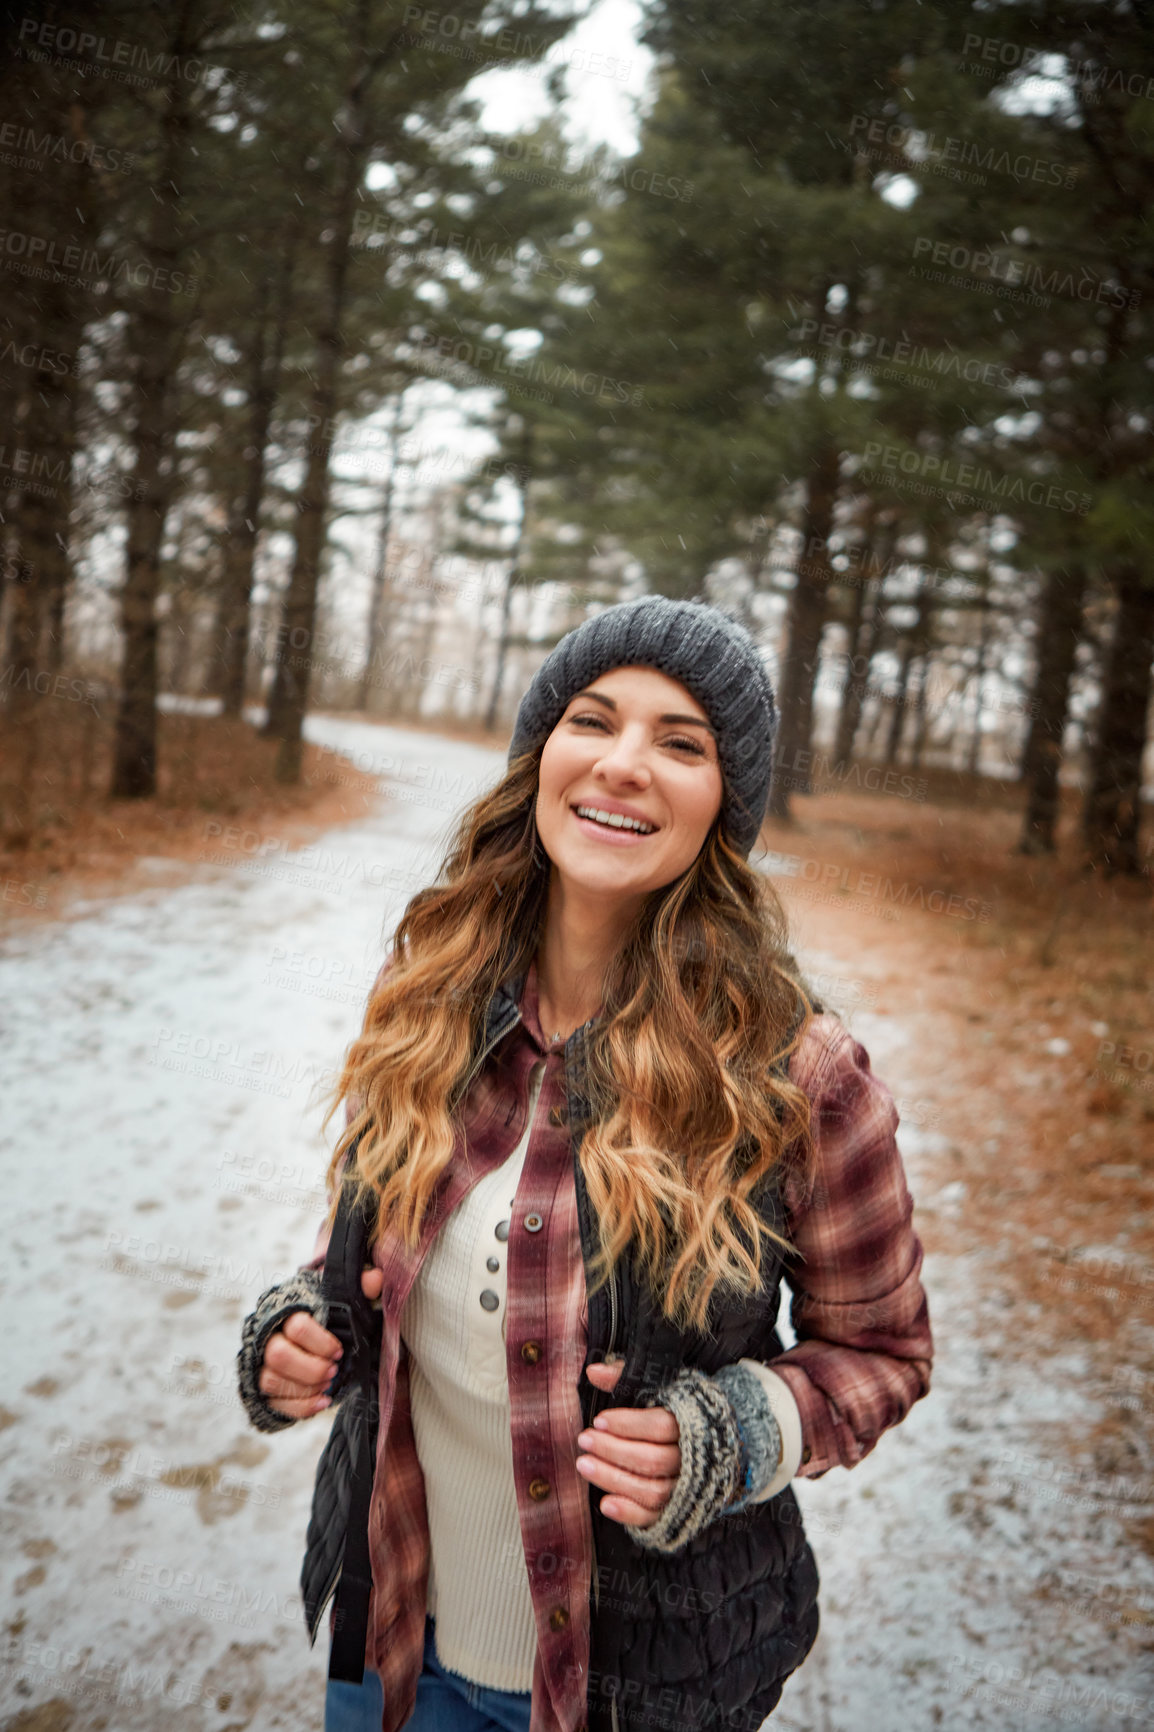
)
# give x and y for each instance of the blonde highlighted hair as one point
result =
(688, 1117)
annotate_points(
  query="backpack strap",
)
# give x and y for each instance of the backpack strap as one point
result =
(357, 1325)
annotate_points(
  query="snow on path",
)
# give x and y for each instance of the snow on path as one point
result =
(162, 1059)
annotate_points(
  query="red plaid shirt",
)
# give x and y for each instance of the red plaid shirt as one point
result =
(859, 1311)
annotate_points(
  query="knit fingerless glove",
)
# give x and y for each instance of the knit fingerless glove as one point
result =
(300, 1292)
(730, 1450)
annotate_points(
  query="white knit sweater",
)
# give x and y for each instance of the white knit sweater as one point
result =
(459, 1391)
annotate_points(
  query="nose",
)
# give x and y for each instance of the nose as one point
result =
(625, 758)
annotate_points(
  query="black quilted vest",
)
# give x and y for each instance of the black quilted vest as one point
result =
(705, 1637)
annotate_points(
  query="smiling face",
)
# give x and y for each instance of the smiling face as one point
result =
(633, 748)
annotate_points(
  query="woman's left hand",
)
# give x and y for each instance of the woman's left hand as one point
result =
(633, 1453)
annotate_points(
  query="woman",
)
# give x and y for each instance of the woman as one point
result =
(599, 1118)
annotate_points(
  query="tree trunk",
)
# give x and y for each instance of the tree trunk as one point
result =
(898, 712)
(973, 759)
(1059, 625)
(375, 635)
(921, 714)
(849, 710)
(804, 628)
(864, 621)
(235, 618)
(524, 474)
(493, 709)
(37, 566)
(288, 699)
(158, 335)
(1112, 811)
(56, 565)
(428, 636)
(45, 313)
(915, 648)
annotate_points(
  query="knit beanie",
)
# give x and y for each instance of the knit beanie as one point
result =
(712, 655)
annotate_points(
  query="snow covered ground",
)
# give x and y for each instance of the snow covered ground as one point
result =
(163, 1057)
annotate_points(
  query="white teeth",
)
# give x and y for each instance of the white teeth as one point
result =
(615, 820)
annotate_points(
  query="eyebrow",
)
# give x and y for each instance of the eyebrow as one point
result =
(611, 704)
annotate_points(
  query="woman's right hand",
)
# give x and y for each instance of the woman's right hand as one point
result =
(301, 1358)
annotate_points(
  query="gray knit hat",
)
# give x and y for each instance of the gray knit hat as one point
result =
(712, 655)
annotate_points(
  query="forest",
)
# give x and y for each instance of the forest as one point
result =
(353, 353)
(858, 344)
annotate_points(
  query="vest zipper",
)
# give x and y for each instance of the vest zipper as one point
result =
(487, 1048)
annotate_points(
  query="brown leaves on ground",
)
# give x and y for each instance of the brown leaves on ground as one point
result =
(1028, 990)
(60, 835)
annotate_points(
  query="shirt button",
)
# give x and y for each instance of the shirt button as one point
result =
(558, 1618)
(533, 1223)
(501, 1230)
(530, 1352)
(489, 1300)
(492, 1264)
(539, 1490)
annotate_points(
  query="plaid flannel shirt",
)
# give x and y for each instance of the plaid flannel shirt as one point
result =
(859, 1311)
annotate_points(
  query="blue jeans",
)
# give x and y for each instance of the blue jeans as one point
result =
(446, 1702)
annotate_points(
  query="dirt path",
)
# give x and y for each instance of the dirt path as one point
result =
(163, 1056)
(977, 1568)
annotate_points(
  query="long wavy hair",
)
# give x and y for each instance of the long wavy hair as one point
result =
(688, 1117)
